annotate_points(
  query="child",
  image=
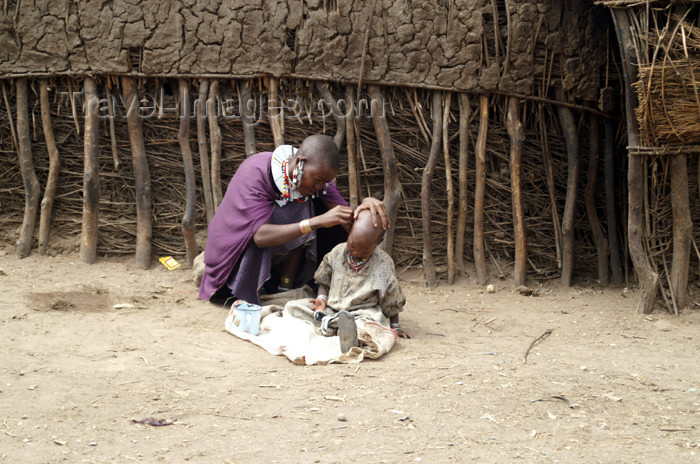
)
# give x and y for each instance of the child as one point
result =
(357, 283)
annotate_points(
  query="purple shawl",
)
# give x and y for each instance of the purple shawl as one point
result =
(247, 205)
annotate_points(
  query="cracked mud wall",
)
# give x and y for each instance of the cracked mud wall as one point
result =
(485, 45)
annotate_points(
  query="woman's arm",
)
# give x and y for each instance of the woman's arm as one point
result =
(376, 207)
(269, 235)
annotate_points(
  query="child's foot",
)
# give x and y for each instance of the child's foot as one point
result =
(347, 331)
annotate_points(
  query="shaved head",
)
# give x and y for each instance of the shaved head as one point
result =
(320, 149)
(364, 232)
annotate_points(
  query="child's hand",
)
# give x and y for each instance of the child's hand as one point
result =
(403, 334)
(318, 304)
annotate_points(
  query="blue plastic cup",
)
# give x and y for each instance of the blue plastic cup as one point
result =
(246, 317)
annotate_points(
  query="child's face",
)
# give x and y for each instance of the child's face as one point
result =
(360, 248)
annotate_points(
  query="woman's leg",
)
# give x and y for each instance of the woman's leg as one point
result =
(290, 268)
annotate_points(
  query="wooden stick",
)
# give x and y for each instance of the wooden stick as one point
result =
(480, 191)
(202, 144)
(517, 138)
(303, 77)
(142, 177)
(112, 135)
(611, 213)
(32, 188)
(364, 47)
(547, 158)
(335, 112)
(9, 117)
(215, 142)
(74, 110)
(352, 152)
(248, 119)
(648, 278)
(464, 114)
(190, 200)
(450, 189)
(428, 264)
(274, 115)
(91, 174)
(544, 335)
(682, 229)
(392, 187)
(570, 132)
(54, 165)
(599, 239)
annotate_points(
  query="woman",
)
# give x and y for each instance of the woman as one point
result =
(264, 230)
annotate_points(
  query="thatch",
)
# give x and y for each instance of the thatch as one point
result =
(668, 88)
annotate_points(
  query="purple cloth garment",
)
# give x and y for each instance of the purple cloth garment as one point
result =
(255, 265)
(246, 206)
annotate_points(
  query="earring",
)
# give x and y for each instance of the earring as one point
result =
(298, 172)
(325, 189)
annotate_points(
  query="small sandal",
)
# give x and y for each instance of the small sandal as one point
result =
(347, 331)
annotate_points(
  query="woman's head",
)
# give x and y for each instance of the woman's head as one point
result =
(319, 160)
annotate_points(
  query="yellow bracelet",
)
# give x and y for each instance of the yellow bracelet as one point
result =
(305, 227)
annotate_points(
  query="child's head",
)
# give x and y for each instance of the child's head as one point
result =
(364, 236)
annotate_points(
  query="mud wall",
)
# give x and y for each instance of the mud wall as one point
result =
(483, 45)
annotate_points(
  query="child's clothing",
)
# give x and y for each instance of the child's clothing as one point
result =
(373, 288)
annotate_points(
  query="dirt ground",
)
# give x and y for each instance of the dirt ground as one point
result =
(76, 373)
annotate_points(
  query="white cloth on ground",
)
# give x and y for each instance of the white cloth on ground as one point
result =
(292, 331)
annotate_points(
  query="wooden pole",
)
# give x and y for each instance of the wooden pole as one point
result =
(599, 239)
(274, 115)
(428, 264)
(248, 119)
(464, 114)
(682, 229)
(32, 188)
(517, 138)
(613, 237)
(392, 187)
(480, 191)
(450, 189)
(202, 144)
(110, 115)
(142, 176)
(570, 131)
(190, 201)
(353, 180)
(335, 112)
(648, 277)
(91, 174)
(54, 165)
(215, 142)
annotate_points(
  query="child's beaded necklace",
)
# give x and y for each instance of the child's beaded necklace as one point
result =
(356, 263)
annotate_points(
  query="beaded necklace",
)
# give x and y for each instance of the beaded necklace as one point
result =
(286, 191)
(287, 184)
(356, 263)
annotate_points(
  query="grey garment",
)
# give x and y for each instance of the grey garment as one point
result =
(374, 287)
(302, 309)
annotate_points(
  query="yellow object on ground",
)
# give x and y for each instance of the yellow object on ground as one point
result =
(169, 262)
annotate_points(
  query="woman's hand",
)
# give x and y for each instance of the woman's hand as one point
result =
(338, 215)
(377, 208)
(402, 333)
